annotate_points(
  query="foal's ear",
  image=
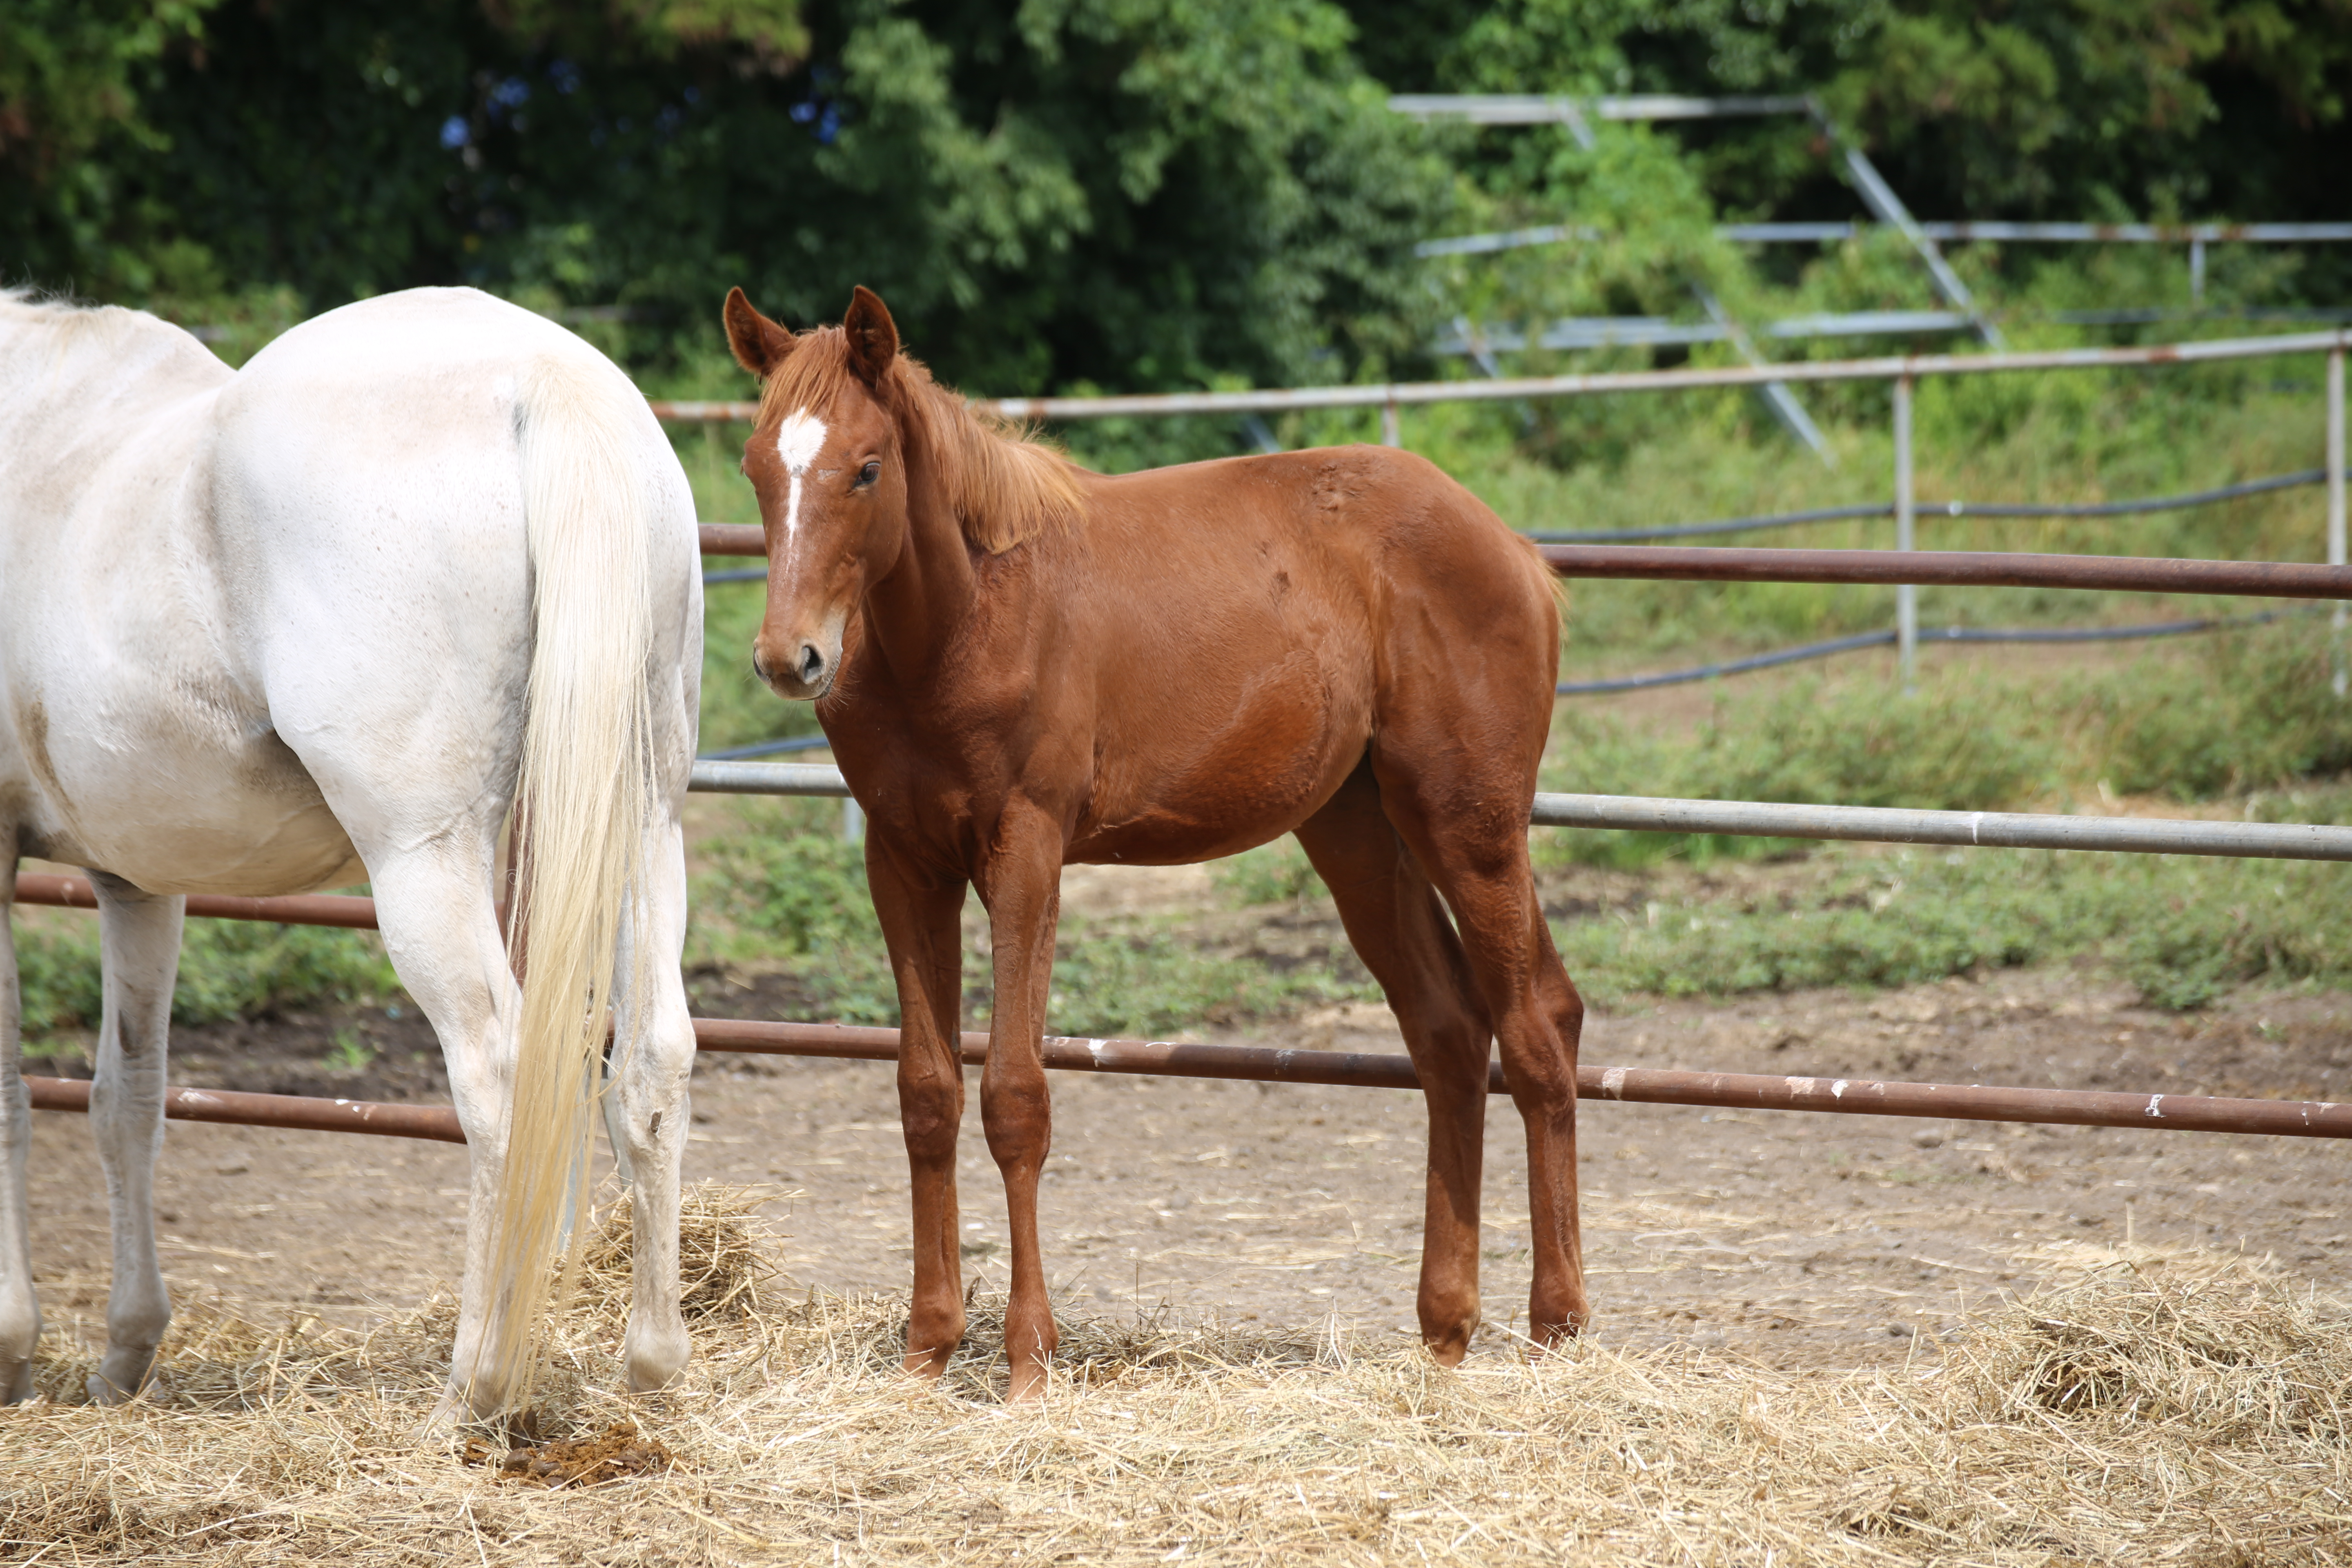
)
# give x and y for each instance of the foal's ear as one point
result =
(873, 336)
(759, 344)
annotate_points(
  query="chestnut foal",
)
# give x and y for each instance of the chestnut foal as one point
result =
(1019, 664)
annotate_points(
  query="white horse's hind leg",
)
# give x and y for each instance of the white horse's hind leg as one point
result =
(650, 1116)
(20, 1310)
(433, 904)
(138, 938)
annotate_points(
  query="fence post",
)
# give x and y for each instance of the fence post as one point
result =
(2336, 501)
(1907, 597)
(1389, 437)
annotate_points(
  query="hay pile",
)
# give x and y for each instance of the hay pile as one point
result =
(2155, 1410)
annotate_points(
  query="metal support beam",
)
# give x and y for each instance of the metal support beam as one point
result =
(1907, 594)
(1766, 819)
(1778, 395)
(1888, 208)
(2336, 498)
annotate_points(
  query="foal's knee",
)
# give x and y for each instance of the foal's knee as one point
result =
(930, 1113)
(1018, 1117)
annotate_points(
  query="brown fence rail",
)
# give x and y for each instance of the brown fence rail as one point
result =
(1265, 1064)
(1952, 568)
(298, 1112)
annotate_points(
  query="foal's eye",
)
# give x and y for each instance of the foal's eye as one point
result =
(869, 474)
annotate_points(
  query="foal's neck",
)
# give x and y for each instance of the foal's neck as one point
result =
(913, 610)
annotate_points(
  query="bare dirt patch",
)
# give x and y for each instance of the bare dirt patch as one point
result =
(1802, 1240)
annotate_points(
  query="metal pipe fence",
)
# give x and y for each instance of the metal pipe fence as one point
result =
(1350, 1069)
(1592, 383)
(1949, 568)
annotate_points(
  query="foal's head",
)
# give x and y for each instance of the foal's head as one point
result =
(851, 433)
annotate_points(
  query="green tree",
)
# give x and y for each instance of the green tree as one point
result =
(1123, 191)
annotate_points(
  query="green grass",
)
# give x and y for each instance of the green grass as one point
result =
(2237, 712)
(2183, 930)
(783, 892)
(228, 969)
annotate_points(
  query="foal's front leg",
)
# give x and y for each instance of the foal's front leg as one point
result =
(922, 922)
(1023, 890)
(139, 949)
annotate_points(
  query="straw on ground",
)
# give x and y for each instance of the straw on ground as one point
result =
(2157, 1408)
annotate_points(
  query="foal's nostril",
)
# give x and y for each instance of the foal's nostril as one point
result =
(759, 667)
(812, 664)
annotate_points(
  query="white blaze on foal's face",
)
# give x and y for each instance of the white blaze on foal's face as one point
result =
(798, 440)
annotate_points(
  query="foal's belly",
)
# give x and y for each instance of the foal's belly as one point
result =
(1166, 794)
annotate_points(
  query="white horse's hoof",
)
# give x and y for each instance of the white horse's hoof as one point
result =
(451, 1413)
(654, 1360)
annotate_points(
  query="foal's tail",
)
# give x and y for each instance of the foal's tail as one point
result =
(582, 804)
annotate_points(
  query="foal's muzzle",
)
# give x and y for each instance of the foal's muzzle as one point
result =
(800, 671)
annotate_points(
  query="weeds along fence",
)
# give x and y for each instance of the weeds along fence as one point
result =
(1904, 567)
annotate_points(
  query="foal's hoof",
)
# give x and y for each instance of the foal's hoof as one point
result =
(1028, 1384)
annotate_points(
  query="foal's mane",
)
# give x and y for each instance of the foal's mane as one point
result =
(1005, 485)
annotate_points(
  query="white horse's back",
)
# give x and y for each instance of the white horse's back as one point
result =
(280, 628)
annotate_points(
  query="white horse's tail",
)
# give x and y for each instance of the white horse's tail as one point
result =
(581, 805)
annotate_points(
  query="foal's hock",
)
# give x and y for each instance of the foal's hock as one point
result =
(1019, 664)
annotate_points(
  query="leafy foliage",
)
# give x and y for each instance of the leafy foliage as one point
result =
(1132, 194)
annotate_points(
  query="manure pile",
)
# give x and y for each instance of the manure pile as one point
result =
(2166, 1407)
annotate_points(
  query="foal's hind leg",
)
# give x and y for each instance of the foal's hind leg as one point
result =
(1399, 930)
(20, 1310)
(139, 937)
(1478, 858)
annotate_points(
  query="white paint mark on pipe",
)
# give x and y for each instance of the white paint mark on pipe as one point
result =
(1613, 1083)
(2154, 1103)
(1800, 1087)
(1837, 1089)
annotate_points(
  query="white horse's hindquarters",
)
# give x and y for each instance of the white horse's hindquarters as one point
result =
(367, 663)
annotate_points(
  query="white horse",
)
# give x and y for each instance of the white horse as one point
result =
(423, 558)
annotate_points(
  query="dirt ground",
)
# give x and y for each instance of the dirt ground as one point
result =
(1802, 1240)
